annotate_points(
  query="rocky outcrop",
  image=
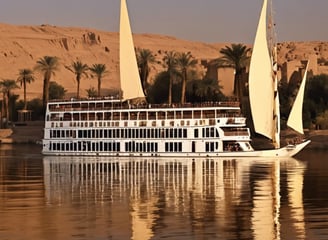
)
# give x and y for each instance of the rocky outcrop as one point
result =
(22, 46)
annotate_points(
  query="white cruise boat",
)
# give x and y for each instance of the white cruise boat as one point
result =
(116, 127)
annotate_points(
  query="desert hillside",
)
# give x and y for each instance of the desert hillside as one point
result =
(22, 46)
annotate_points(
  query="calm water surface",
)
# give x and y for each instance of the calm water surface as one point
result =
(102, 198)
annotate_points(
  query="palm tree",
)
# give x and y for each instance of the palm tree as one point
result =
(79, 69)
(204, 90)
(48, 65)
(144, 58)
(185, 61)
(170, 62)
(6, 86)
(25, 76)
(237, 57)
(100, 71)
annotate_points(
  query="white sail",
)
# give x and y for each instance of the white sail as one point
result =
(129, 74)
(295, 119)
(261, 83)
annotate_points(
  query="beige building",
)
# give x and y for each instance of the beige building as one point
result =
(290, 71)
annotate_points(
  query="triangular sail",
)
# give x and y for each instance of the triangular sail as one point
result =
(261, 83)
(295, 119)
(129, 74)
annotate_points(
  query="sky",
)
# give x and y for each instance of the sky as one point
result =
(212, 21)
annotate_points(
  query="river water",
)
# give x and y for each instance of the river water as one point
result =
(101, 198)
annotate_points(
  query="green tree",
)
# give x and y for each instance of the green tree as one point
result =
(185, 62)
(7, 85)
(100, 71)
(25, 76)
(237, 57)
(158, 91)
(48, 65)
(92, 92)
(316, 98)
(56, 91)
(322, 120)
(170, 63)
(204, 90)
(79, 69)
(145, 57)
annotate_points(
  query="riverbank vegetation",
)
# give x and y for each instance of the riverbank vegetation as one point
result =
(179, 81)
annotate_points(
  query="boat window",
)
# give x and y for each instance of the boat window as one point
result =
(209, 114)
(99, 105)
(187, 114)
(196, 133)
(92, 106)
(151, 115)
(107, 116)
(161, 115)
(133, 116)
(92, 116)
(124, 115)
(116, 115)
(185, 133)
(170, 115)
(100, 116)
(54, 117)
(67, 117)
(76, 116)
(197, 114)
(142, 116)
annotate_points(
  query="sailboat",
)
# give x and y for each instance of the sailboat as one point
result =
(127, 127)
(263, 90)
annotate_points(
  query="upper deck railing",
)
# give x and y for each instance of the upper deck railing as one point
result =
(99, 104)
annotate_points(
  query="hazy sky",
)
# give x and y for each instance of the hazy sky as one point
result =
(198, 20)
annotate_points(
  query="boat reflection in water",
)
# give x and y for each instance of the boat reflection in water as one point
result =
(180, 198)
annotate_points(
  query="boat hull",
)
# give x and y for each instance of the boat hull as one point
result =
(287, 151)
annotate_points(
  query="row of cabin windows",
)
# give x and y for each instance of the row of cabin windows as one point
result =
(141, 147)
(86, 146)
(211, 146)
(209, 132)
(121, 133)
(173, 147)
(129, 146)
(140, 123)
(140, 115)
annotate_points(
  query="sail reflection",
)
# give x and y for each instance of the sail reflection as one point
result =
(155, 197)
(295, 182)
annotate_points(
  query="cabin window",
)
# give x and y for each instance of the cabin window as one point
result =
(187, 114)
(133, 116)
(116, 116)
(210, 146)
(142, 116)
(161, 115)
(124, 116)
(197, 114)
(170, 115)
(209, 113)
(151, 115)
(67, 117)
(185, 133)
(173, 147)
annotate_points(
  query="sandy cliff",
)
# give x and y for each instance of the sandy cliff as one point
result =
(22, 46)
